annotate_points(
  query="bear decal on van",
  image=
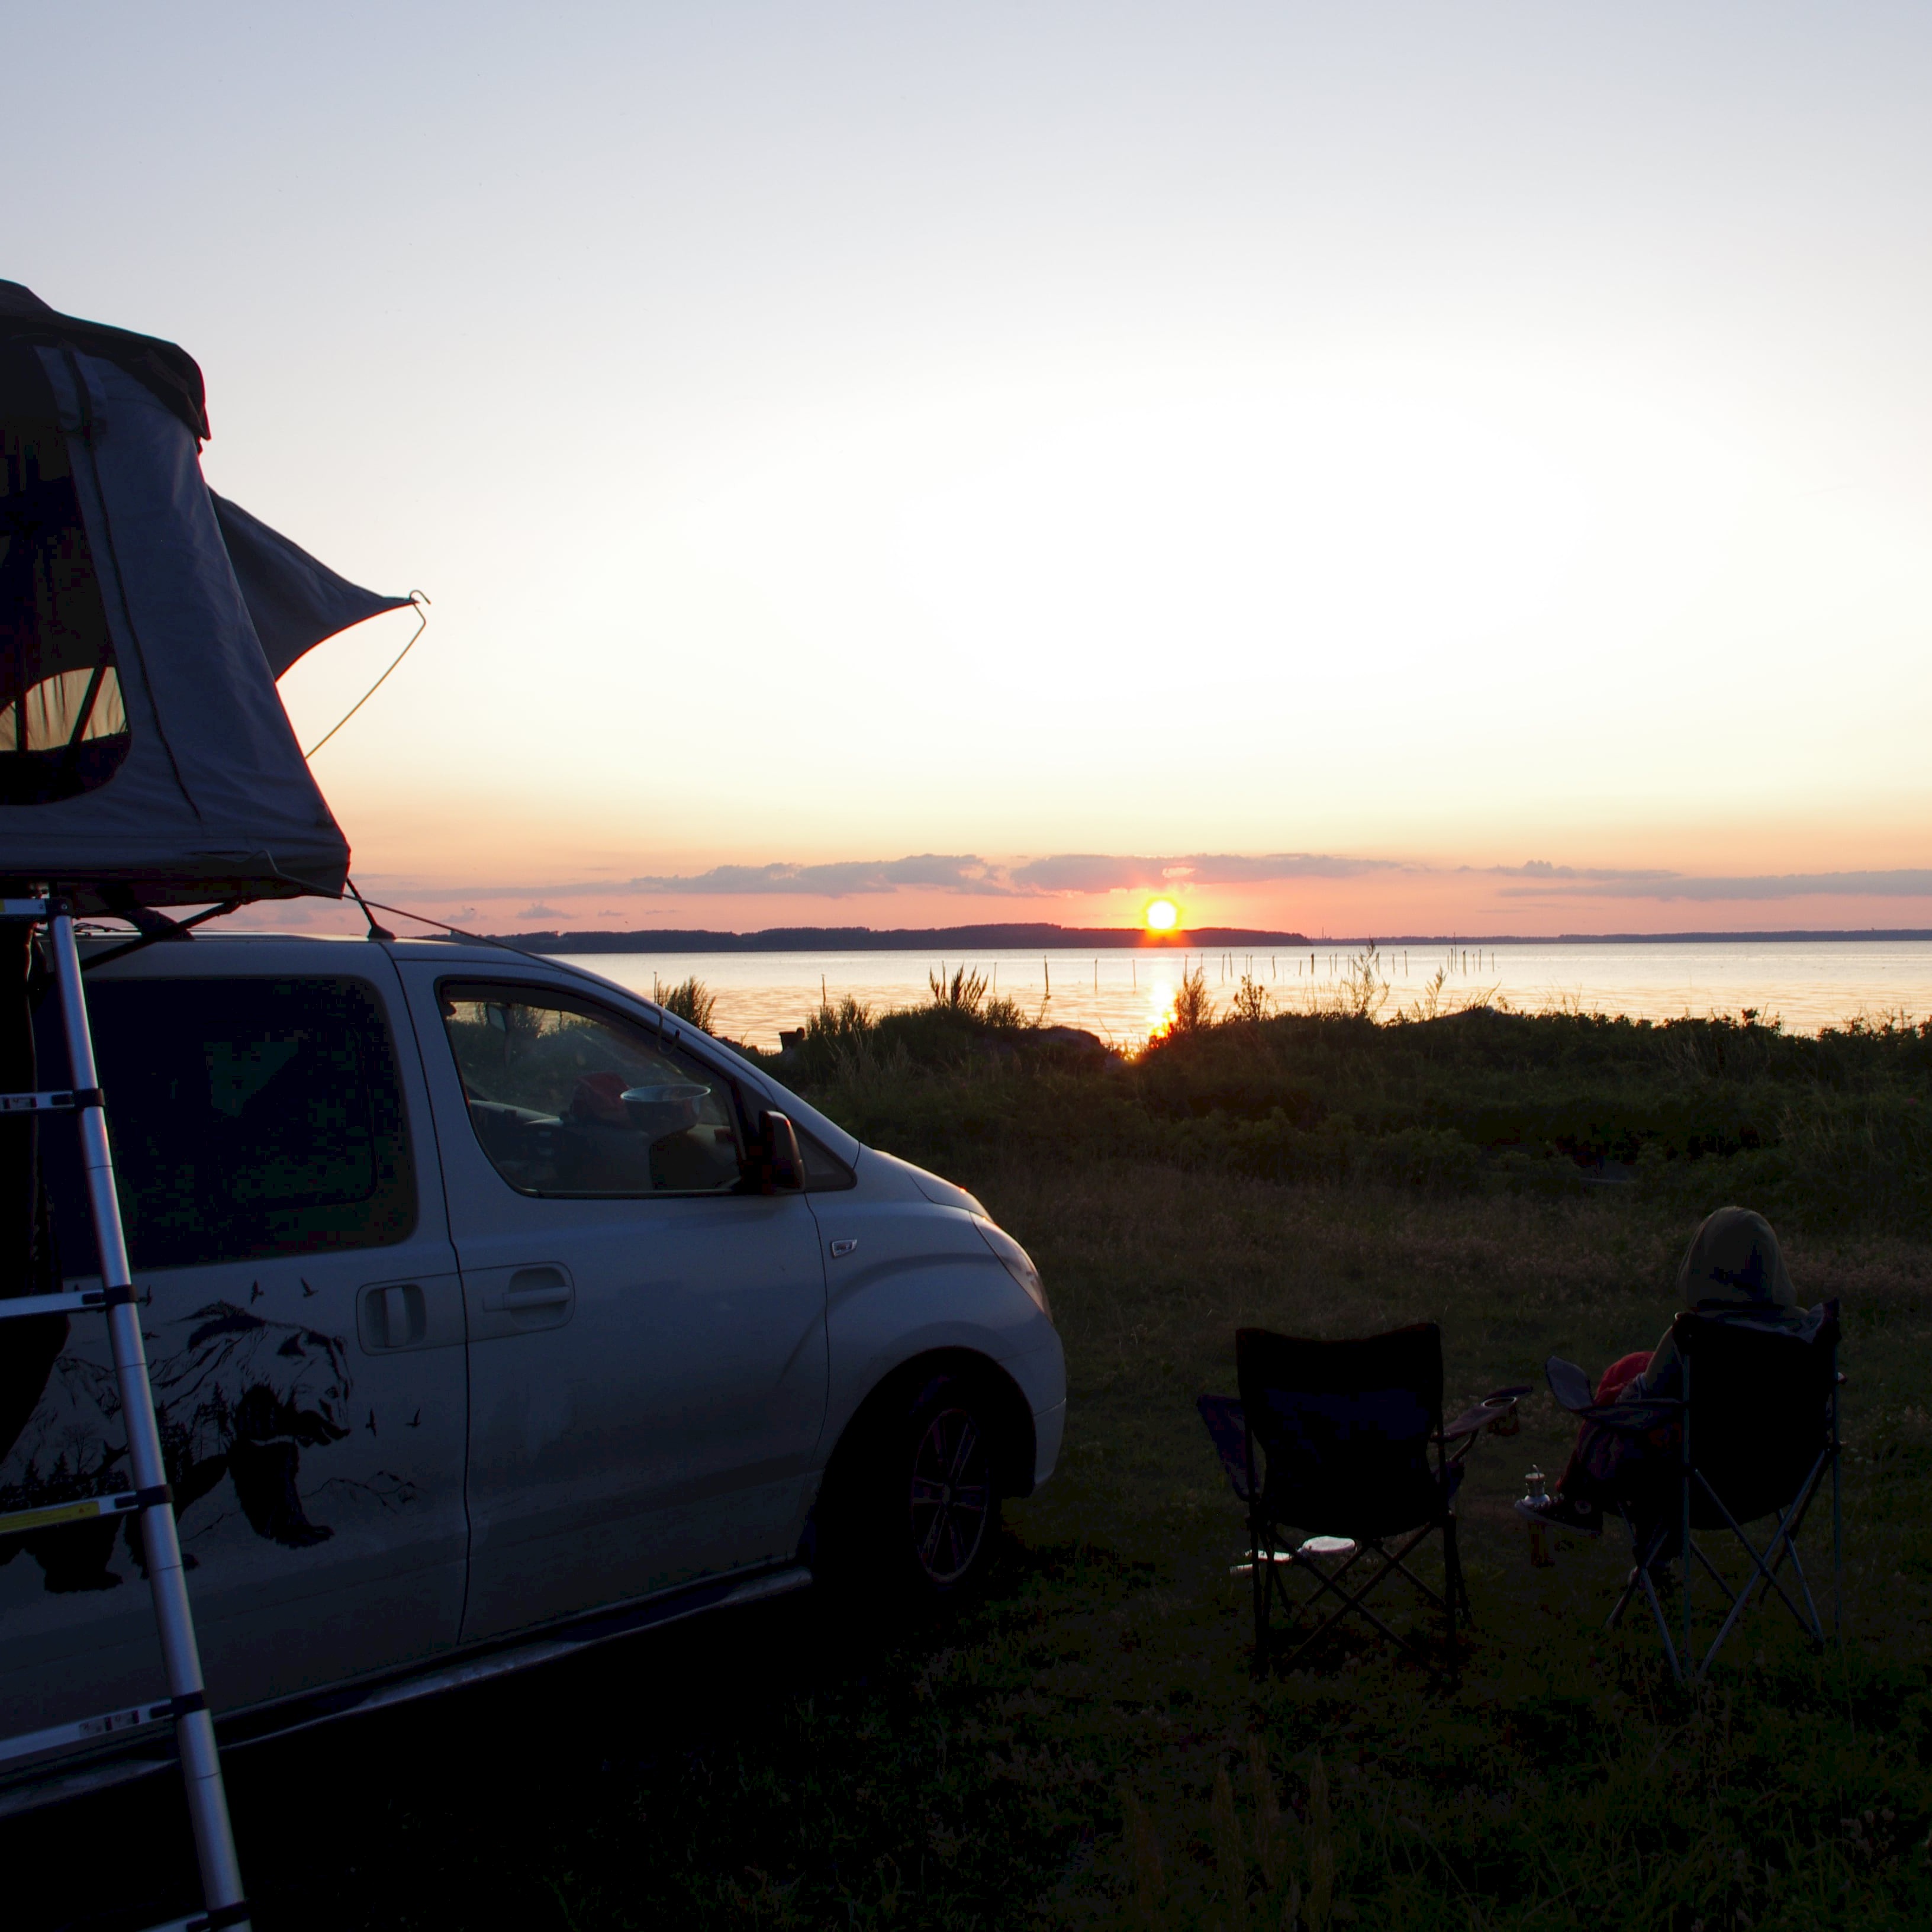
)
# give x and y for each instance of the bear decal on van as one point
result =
(238, 1398)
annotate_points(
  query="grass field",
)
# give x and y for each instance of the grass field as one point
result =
(1087, 1747)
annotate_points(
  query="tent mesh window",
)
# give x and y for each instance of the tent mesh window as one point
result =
(63, 727)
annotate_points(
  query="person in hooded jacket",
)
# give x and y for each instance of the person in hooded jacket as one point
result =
(1733, 1264)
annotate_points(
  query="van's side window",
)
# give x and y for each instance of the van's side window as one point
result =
(568, 1098)
(249, 1117)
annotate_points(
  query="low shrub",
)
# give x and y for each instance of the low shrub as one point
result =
(1829, 1131)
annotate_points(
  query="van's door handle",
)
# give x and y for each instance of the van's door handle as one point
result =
(529, 1289)
(553, 1296)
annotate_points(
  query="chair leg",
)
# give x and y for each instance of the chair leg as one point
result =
(1838, 1516)
(1662, 1625)
(1683, 1552)
(1816, 1632)
(1643, 1555)
(1353, 1606)
(1257, 1567)
(1767, 1565)
(1622, 1603)
(1453, 1601)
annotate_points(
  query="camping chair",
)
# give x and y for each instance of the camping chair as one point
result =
(1752, 1436)
(1333, 1439)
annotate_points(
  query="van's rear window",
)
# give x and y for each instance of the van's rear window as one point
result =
(249, 1117)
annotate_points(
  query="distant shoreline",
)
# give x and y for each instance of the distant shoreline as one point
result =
(1074, 938)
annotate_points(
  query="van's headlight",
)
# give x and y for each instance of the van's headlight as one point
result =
(1015, 1261)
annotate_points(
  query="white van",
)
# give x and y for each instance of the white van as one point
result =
(490, 1311)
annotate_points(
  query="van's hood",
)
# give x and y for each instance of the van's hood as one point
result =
(888, 1167)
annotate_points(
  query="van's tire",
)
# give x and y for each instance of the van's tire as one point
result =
(912, 1506)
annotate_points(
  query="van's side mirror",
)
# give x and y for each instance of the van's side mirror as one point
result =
(776, 1165)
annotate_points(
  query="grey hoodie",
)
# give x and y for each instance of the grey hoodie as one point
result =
(1733, 1263)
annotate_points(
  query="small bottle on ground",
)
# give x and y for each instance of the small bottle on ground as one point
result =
(1534, 1503)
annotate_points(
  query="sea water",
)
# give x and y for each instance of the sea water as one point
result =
(1126, 994)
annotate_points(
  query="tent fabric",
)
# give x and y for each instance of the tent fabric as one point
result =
(194, 790)
(171, 373)
(294, 601)
(63, 729)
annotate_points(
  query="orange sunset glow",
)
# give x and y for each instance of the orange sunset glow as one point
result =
(1527, 418)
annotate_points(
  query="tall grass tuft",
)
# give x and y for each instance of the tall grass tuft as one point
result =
(1229, 1856)
(1365, 988)
(1321, 1851)
(1150, 1881)
(1193, 1009)
(692, 1001)
(1432, 1002)
(850, 1020)
(965, 992)
(1253, 1002)
(1271, 1848)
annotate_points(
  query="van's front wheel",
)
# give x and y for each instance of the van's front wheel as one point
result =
(911, 1503)
(951, 1507)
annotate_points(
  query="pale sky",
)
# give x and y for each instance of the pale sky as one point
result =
(1376, 468)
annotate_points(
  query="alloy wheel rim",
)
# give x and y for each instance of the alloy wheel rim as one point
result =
(951, 1495)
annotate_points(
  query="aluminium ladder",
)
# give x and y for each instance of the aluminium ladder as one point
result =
(186, 1702)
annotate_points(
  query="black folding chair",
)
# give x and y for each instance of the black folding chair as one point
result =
(1752, 1436)
(1334, 1440)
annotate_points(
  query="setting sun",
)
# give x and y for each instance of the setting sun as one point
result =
(1163, 916)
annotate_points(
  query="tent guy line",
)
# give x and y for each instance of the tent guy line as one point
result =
(422, 606)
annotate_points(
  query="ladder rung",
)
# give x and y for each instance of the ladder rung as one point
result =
(74, 1303)
(124, 1503)
(206, 1921)
(60, 1100)
(110, 1724)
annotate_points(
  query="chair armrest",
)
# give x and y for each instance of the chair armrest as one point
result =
(1569, 1385)
(1227, 1425)
(1497, 1407)
(1632, 1415)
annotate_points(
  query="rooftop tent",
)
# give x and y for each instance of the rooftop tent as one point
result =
(144, 756)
